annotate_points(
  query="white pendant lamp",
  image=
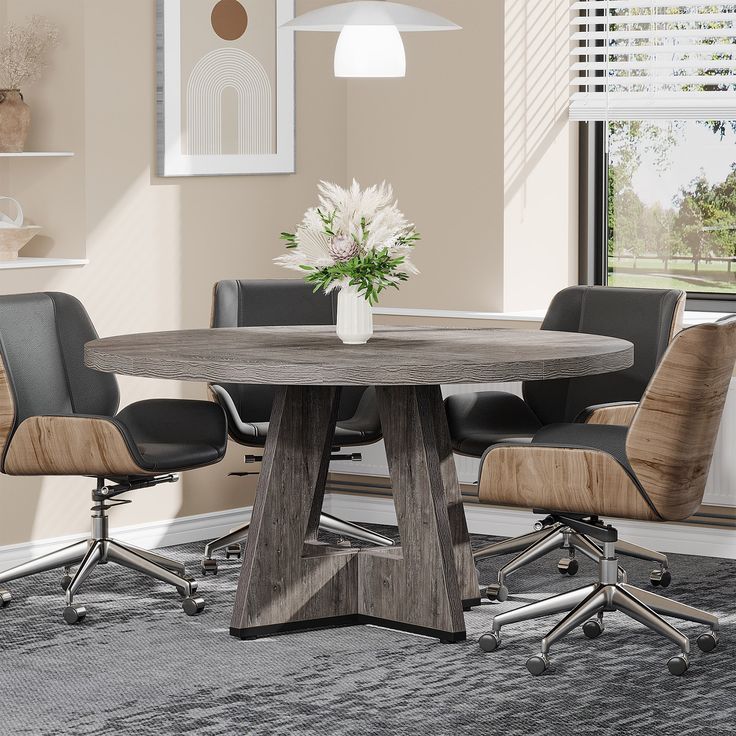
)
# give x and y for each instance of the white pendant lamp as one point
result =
(370, 42)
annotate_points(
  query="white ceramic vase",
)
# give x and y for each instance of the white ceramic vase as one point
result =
(354, 317)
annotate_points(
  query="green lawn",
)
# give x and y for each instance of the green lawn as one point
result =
(711, 277)
(653, 281)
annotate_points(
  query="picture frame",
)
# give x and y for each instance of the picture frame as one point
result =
(225, 97)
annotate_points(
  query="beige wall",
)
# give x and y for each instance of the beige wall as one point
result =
(540, 155)
(156, 246)
(437, 136)
(478, 146)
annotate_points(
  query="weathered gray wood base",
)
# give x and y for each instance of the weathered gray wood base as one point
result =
(290, 581)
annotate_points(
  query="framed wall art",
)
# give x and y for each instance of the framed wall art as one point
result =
(225, 87)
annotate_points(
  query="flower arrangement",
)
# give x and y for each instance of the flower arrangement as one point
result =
(356, 238)
(24, 51)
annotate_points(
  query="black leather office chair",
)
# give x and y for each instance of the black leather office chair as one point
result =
(58, 417)
(649, 318)
(654, 470)
(289, 302)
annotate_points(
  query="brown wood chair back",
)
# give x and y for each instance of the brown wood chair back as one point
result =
(671, 440)
(7, 410)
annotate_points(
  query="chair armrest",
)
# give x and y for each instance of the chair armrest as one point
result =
(367, 418)
(244, 433)
(71, 445)
(620, 413)
(557, 478)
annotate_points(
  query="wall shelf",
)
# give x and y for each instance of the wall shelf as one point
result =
(38, 154)
(42, 263)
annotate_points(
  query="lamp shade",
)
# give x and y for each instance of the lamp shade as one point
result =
(370, 51)
(371, 13)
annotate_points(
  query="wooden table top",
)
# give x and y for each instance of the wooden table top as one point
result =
(394, 356)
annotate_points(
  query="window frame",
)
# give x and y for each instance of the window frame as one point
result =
(593, 220)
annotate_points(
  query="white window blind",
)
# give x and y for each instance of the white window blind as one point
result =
(638, 59)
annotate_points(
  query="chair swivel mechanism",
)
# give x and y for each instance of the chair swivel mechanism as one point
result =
(58, 417)
(284, 302)
(653, 470)
(648, 318)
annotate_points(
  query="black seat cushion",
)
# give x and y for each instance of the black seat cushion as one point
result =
(605, 437)
(254, 434)
(362, 425)
(479, 420)
(362, 428)
(167, 435)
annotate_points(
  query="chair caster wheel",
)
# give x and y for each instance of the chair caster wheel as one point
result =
(5, 598)
(707, 642)
(209, 566)
(65, 582)
(192, 590)
(490, 642)
(568, 566)
(75, 613)
(234, 550)
(678, 665)
(193, 606)
(537, 664)
(497, 592)
(660, 577)
(344, 543)
(593, 628)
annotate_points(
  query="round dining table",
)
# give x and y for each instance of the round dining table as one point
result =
(289, 579)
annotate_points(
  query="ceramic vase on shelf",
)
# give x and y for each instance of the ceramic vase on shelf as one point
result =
(15, 120)
(354, 317)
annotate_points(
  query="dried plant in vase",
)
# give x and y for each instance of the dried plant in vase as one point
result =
(23, 57)
(356, 240)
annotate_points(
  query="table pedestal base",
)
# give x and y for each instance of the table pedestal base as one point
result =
(290, 581)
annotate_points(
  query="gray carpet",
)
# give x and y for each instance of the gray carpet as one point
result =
(138, 665)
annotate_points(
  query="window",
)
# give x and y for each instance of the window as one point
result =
(671, 219)
(655, 91)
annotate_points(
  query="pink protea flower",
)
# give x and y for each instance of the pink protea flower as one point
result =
(343, 248)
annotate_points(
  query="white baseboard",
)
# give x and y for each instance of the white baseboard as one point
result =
(682, 538)
(689, 539)
(149, 536)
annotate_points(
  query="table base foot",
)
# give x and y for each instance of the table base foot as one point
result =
(289, 627)
(261, 632)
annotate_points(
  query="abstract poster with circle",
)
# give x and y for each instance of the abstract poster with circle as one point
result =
(225, 87)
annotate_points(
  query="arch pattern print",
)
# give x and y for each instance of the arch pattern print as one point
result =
(225, 108)
(214, 73)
